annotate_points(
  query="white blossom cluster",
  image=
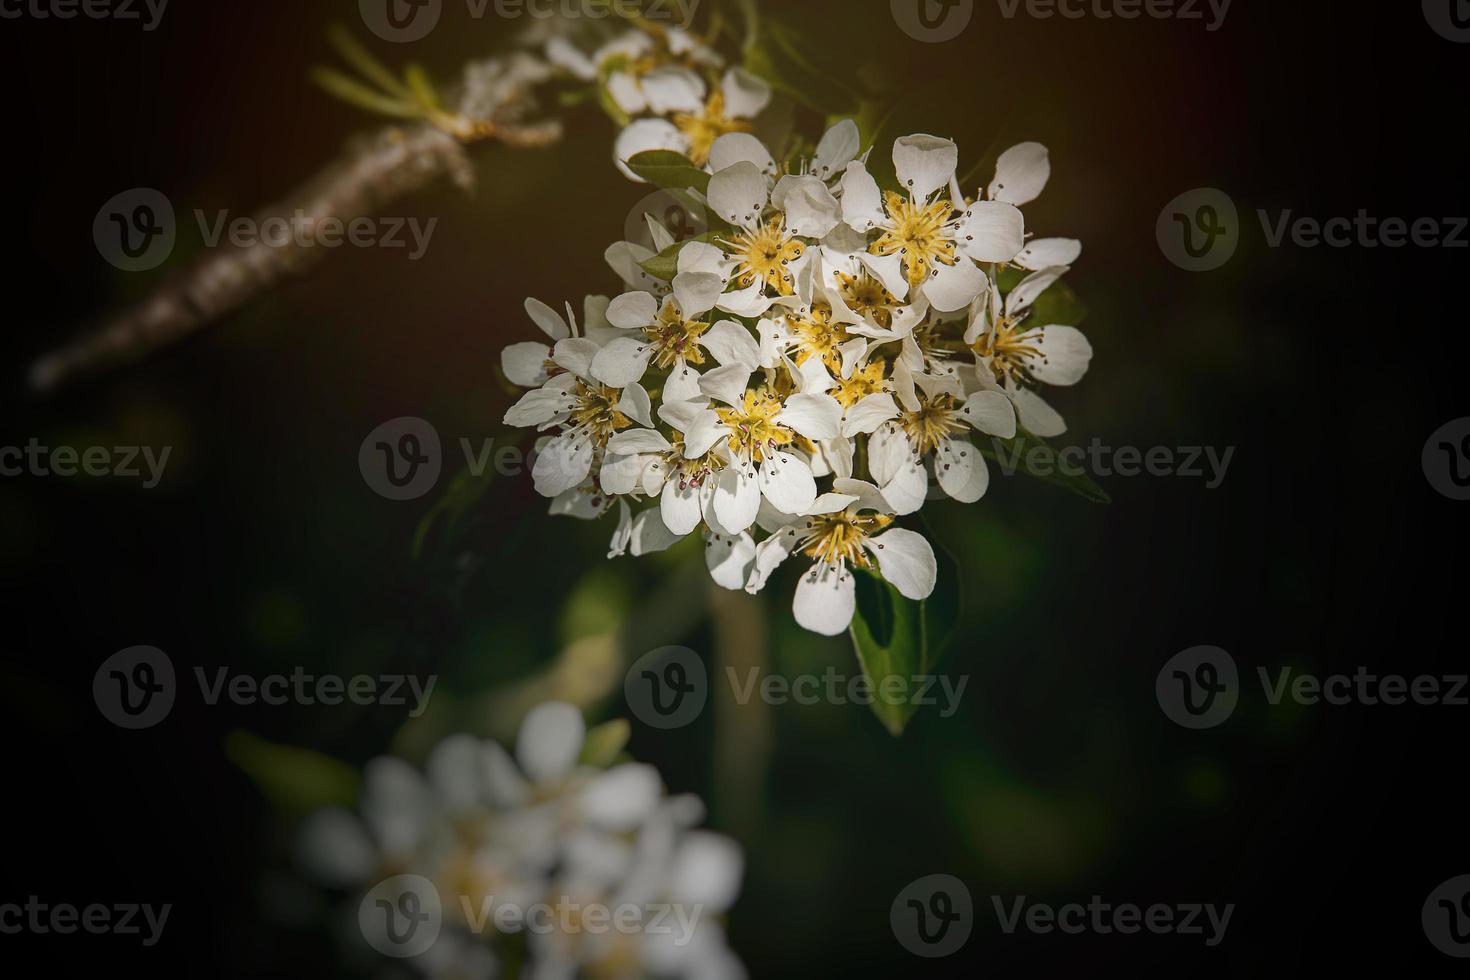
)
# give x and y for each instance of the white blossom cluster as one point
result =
(596, 871)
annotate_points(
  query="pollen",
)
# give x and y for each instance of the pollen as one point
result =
(933, 423)
(865, 381)
(867, 297)
(817, 336)
(1010, 349)
(674, 337)
(753, 431)
(766, 254)
(840, 537)
(593, 411)
(704, 127)
(919, 234)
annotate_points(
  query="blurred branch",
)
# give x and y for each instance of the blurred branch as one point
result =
(743, 731)
(493, 103)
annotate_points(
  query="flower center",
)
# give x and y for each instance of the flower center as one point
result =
(674, 337)
(593, 412)
(817, 336)
(933, 422)
(864, 382)
(753, 431)
(765, 254)
(703, 128)
(1009, 349)
(867, 297)
(691, 472)
(834, 538)
(919, 233)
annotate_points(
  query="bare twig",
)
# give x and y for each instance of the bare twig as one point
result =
(371, 173)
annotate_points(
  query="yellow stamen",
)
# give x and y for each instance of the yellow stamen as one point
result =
(673, 337)
(593, 411)
(766, 254)
(918, 234)
(753, 431)
(933, 423)
(840, 537)
(867, 297)
(703, 128)
(817, 336)
(864, 382)
(1009, 349)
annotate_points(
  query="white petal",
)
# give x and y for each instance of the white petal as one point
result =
(622, 797)
(739, 193)
(786, 481)
(633, 441)
(1020, 174)
(1040, 253)
(651, 534)
(726, 384)
(646, 134)
(907, 561)
(696, 292)
(825, 599)
(960, 471)
(673, 90)
(868, 496)
(623, 361)
(626, 92)
(632, 311)
(992, 231)
(737, 497)
(575, 355)
(862, 202)
(811, 210)
(334, 849)
(1026, 291)
(564, 463)
(703, 434)
(869, 413)
(990, 412)
(924, 163)
(732, 148)
(815, 416)
(889, 450)
(547, 319)
(623, 533)
(746, 96)
(564, 54)
(770, 553)
(908, 488)
(830, 503)
(636, 404)
(702, 256)
(706, 871)
(525, 363)
(620, 473)
(887, 269)
(550, 740)
(683, 383)
(580, 503)
(836, 149)
(731, 343)
(1065, 355)
(729, 558)
(1035, 415)
(680, 508)
(623, 258)
(953, 287)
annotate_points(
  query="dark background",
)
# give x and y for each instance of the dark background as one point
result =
(1059, 778)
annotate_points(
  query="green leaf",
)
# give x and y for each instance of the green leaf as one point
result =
(1035, 457)
(294, 780)
(358, 94)
(665, 168)
(360, 58)
(665, 265)
(464, 492)
(605, 743)
(900, 638)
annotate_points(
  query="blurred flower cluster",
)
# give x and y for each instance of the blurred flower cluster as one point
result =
(811, 368)
(552, 860)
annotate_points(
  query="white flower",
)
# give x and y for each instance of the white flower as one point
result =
(1011, 356)
(841, 531)
(693, 126)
